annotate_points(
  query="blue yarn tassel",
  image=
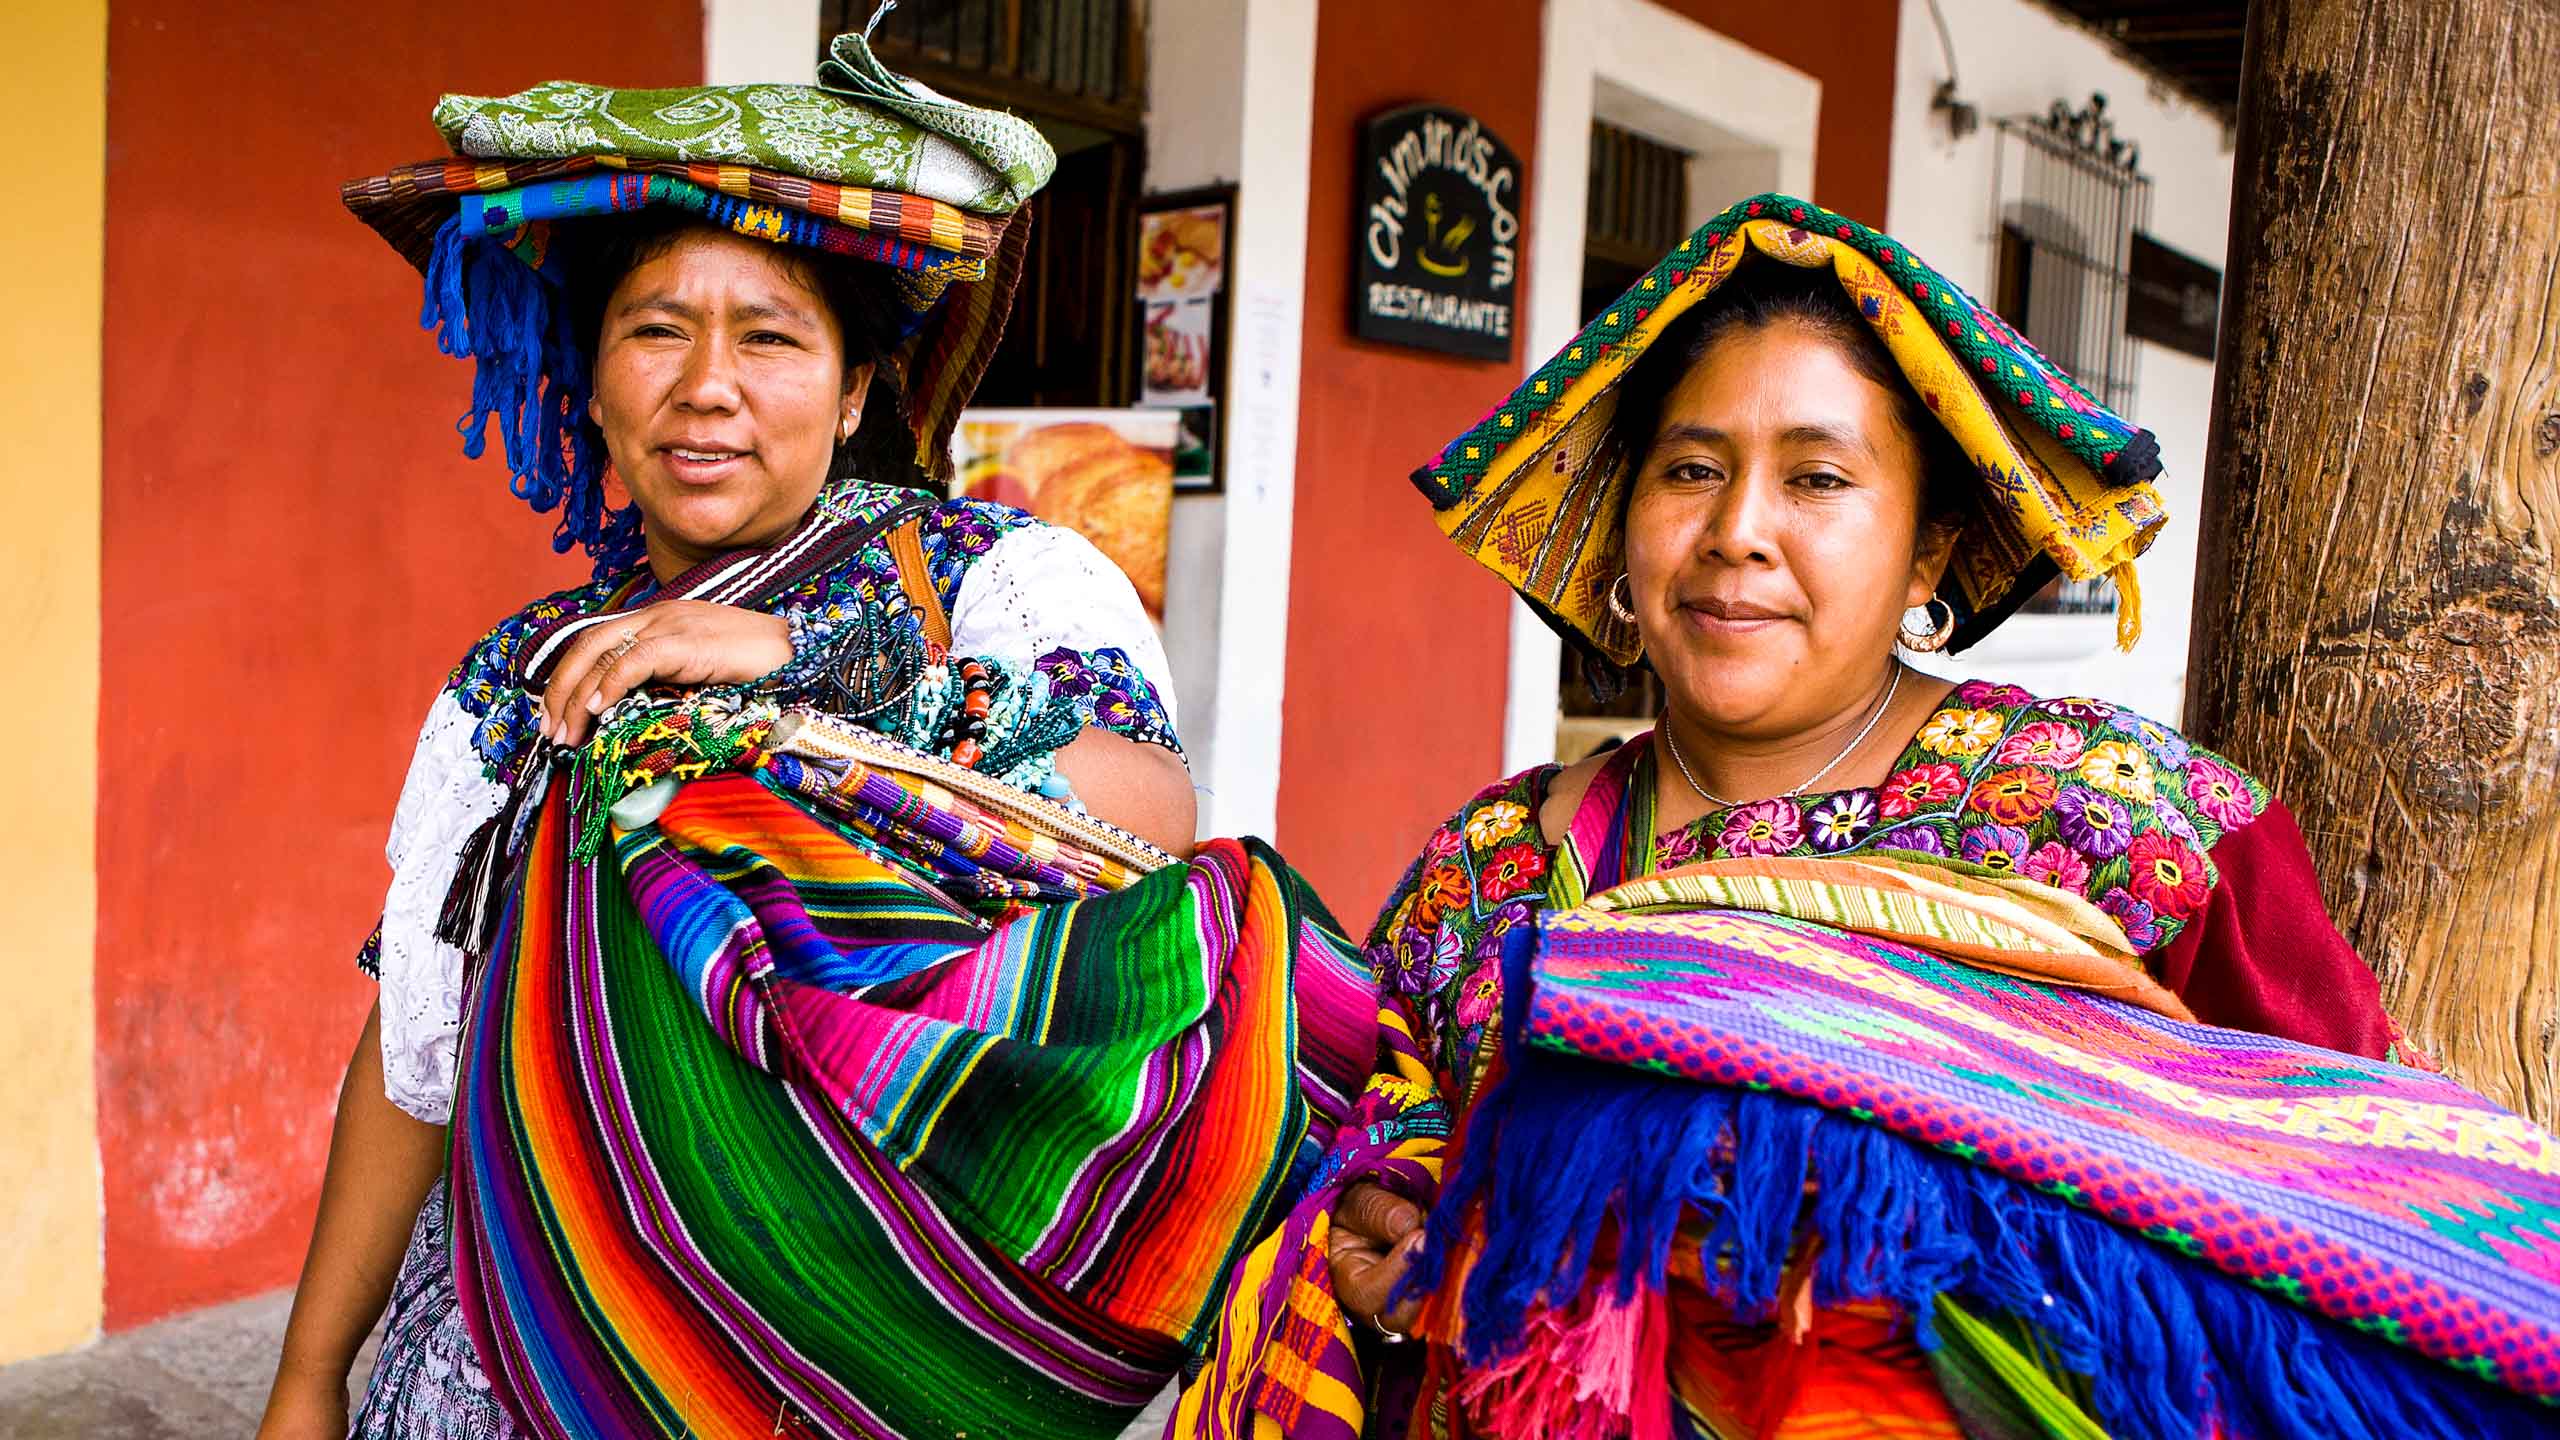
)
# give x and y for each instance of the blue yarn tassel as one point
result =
(531, 376)
(1562, 1150)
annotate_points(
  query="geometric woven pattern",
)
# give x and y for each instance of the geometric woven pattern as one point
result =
(2380, 1197)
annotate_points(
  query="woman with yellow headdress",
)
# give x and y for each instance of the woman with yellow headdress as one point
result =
(1863, 1053)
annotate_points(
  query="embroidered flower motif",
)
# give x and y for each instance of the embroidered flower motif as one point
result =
(1442, 845)
(2057, 865)
(1763, 827)
(1480, 998)
(1922, 838)
(2014, 796)
(1985, 695)
(1960, 732)
(1842, 821)
(2140, 926)
(2049, 743)
(2121, 770)
(2168, 875)
(2166, 745)
(2078, 708)
(2096, 825)
(1510, 870)
(2174, 821)
(1443, 888)
(1995, 847)
(2221, 793)
(1420, 962)
(1680, 847)
(1495, 823)
(1922, 787)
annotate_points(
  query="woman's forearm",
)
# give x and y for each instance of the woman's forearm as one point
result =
(382, 1162)
(1143, 789)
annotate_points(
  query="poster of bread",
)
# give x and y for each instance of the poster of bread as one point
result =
(1105, 474)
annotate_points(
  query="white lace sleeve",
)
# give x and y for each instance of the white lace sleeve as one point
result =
(1043, 588)
(444, 799)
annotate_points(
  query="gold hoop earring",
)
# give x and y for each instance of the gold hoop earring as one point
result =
(1623, 611)
(1935, 638)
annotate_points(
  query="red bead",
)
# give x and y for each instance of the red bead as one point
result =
(966, 754)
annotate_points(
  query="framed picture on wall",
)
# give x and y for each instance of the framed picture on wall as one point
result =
(1184, 242)
(1105, 474)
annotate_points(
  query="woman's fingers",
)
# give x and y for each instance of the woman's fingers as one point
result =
(1376, 1214)
(682, 642)
(1364, 1279)
(1375, 1232)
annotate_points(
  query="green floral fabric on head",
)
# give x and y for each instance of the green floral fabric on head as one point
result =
(860, 126)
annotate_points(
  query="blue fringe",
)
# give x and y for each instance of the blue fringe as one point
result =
(1563, 1149)
(532, 377)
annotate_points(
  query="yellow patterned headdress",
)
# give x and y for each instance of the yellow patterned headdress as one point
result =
(1535, 493)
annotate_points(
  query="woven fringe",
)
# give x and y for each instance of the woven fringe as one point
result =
(530, 375)
(1562, 1150)
(2128, 606)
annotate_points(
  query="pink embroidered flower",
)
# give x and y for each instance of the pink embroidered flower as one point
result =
(1680, 847)
(2221, 793)
(1442, 845)
(2168, 875)
(1510, 870)
(2057, 865)
(1986, 695)
(2049, 743)
(1922, 787)
(1480, 998)
(2014, 796)
(1763, 827)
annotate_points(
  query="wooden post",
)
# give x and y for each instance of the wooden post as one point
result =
(2377, 623)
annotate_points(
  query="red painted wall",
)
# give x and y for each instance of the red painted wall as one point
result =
(1397, 645)
(294, 554)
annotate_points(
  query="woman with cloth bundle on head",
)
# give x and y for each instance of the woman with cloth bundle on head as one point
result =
(1861, 1054)
(796, 1016)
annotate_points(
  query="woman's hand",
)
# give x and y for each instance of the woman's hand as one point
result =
(1374, 1234)
(679, 642)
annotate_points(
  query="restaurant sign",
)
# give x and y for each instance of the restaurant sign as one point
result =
(1439, 240)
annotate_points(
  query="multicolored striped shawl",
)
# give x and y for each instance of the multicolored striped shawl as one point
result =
(851, 1097)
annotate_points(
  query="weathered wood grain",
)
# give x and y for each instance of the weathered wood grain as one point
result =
(2377, 624)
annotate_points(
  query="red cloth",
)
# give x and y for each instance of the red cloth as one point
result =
(2264, 956)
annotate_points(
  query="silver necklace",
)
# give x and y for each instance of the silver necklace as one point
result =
(1673, 742)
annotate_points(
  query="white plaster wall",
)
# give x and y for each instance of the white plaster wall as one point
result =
(1231, 98)
(746, 42)
(2014, 57)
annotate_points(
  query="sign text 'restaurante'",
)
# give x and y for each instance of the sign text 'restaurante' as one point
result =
(1439, 237)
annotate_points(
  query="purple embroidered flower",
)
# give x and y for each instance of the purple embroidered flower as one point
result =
(2166, 745)
(2221, 793)
(1843, 820)
(2140, 927)
(1763, 827)
(2174, 822)
(1068, 674)
(1923, 838)
(1986, 695)
(2095, 823)
(969, 527)
(2079, 708)
(1419, 962)
(1995, 847)
(2057, 865)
